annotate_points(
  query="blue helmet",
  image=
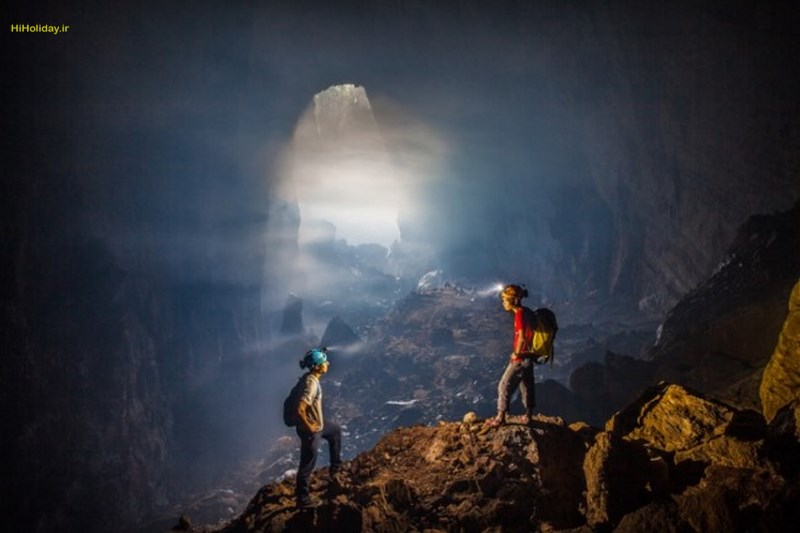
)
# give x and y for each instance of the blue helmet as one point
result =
(314, 357)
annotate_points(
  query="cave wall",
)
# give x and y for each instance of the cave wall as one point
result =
(691, 128)
(623, 146)
(121, 392)
(132, 329)
(86, 415)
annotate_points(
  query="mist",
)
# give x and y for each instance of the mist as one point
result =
(174, 187)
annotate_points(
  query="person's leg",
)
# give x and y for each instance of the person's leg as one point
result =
(508, 384)
(527, 389)
(332, 433)
(308, 459)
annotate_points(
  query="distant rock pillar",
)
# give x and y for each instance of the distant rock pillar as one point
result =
(339, 334)
(780, 383)
(292, 323)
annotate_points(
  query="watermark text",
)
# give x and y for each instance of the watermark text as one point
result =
(56, 29)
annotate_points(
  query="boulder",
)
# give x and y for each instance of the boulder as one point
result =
(672, 461)
(617, 474)
(730, 499)
(780, 382)
(670, 418)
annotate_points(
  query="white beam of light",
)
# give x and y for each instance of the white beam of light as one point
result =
(350, 179)
(361, 196)
(348, 171)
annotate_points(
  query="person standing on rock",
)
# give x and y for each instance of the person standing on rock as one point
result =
(311, 425)
(519, 371)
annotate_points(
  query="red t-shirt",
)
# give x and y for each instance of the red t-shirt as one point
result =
(524, 322)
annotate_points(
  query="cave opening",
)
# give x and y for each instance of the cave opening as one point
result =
(346, 185)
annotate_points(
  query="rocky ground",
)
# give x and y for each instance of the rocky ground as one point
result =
(436, 355)
(672, 461)
(439, 353)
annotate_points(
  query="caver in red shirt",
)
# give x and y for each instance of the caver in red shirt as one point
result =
(524, 322)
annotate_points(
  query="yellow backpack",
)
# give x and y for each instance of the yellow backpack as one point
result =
(544, 334)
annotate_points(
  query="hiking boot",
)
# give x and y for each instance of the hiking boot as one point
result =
(306, 503)
(336, 474)
(336, 484)
(495, 422)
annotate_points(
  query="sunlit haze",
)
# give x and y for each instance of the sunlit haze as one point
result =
(360, 197)
(342, 171)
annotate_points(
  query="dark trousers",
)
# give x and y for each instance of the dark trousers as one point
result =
(309, 448)
(517, 375)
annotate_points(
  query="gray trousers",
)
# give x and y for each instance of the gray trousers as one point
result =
(517, 375)
(309, 448)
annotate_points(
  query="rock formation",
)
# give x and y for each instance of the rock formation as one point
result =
(292, 321)
(672, 459)
(698, 139)
(780, 384)
(720, 336)
(339, 334)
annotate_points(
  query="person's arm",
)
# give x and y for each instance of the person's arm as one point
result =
(519, 337)
(302, 414)
(519, 349)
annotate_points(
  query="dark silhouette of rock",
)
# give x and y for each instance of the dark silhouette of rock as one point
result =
(784, 438)
(607, 387)
(339, 334)
(292, 322)
(617, 475)
(184, 524)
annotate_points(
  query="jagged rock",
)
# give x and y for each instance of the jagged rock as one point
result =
(445, 477)
(184, 524)
(730, 499)
(672, 461)
(339, 334)
(723, 451)
(669, 418)
(786, 422)
(617, 475)
(783, 439)
(780, 383)
(713, 450)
